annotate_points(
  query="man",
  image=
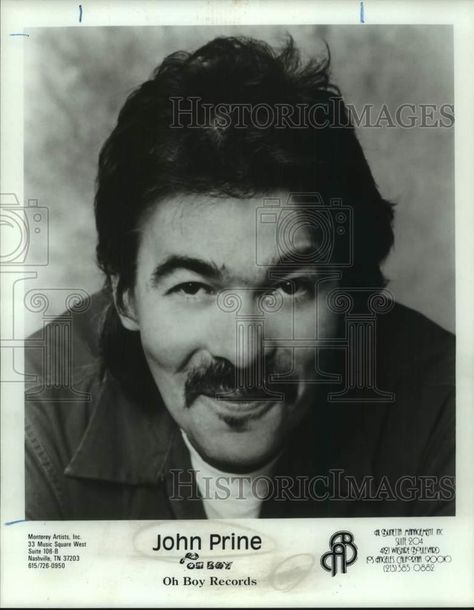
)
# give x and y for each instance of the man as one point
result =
(250, 362)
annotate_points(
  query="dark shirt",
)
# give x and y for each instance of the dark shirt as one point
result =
(92, 452)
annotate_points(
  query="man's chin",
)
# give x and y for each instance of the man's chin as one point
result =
(237, 462)
(237, 437)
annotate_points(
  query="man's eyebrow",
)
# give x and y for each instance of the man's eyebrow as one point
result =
(196, 265)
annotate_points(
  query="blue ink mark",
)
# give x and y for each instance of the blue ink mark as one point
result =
(80, 13)
(362, 12)
(20, 35)
(13, 522)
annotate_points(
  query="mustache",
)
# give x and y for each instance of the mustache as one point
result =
(222, 380)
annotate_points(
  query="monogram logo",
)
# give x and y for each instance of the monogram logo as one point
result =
(343, 553)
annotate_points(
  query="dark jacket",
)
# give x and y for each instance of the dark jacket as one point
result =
(94, 453)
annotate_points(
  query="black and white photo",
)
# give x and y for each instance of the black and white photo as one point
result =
(246, 356)
(236, 332)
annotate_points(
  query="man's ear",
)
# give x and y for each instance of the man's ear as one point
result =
(125, 307)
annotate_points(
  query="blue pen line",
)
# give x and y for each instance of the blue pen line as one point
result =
(362, 12)
(13, 522)
(80, 13)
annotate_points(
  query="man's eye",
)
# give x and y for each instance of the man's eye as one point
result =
(296, 287)
(191, 289)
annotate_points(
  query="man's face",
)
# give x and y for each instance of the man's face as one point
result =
(225, 328)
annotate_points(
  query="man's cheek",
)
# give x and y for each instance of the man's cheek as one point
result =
(161, 356)
(166, 341)
(295, 361)
(170, 382)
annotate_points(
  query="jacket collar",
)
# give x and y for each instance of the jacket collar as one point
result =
(132, 443)
(125, 442)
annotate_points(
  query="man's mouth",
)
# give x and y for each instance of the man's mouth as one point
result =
(238, 405)
(244, 395)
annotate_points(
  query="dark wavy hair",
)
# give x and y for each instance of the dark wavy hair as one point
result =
(145, 159)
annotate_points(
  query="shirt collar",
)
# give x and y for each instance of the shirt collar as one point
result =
(125, 441)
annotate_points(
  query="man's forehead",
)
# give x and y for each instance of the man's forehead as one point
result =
(228, 231)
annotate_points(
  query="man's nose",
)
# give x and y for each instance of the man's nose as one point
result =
(237, 334)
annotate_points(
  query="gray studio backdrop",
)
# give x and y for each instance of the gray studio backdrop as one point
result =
(78, 78)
